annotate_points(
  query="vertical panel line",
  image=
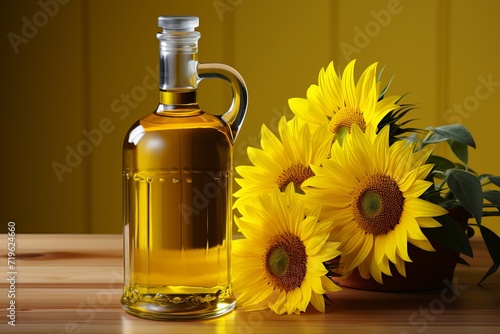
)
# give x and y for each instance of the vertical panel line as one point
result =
(443, 59)
(86, 117)
(334, 30)
(229, 27)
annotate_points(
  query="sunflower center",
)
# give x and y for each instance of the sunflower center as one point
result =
(370, 203)
(278, 262)
(285, 261)
(342, 120)
(377, 204)
(296, 174)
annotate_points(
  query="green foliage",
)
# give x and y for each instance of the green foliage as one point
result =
(456, 185)
(467, 189)
(492, 196)
(453, 132)
(397, 127)
(451, 235)
(492, 242)
(460, 151)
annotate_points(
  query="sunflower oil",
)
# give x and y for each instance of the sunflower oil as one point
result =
(177, 186)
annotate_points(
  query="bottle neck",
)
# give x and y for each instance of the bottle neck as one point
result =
(178, 63)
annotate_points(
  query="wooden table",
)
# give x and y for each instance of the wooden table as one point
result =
(72, 284)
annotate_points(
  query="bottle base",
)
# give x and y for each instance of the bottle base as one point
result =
(177, 306)
(156, 312)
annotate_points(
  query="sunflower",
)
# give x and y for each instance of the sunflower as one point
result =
(340, 103)
(279, 264)
(282, 160)
(371, 191)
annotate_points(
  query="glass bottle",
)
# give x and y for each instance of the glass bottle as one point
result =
(177, 177)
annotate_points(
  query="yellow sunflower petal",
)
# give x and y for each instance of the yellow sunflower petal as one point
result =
(362, 253)
(364, 267)
(366, 89)
(272, 145)
(412, 228)
(315, 244)
(328, 252)
(384, 266)
(300, 107)
(318, 302)
(422, 244)
(351, 237)
(375, 271)
(306, 295)
(402, 243)
(427, 222)
(390, 246)
(328, 285)
(379, 249)
(422, 208)
(294, 299)
(278, 305)
(417, 188)
(400, 266)
(348, 86)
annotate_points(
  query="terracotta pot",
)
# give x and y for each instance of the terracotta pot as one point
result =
(429, 270)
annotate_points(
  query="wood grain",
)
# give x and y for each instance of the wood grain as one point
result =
(72, 284)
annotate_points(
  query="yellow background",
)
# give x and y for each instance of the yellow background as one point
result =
(85, 57)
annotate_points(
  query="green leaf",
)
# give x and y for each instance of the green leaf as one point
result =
(382, 94)
(460, 150)
(451, 235)
(412, 138)
(455, 132)
(462, 261)
(434, 197)
(467, 189)
(493, 269)
(462, 167)
(434, 138)
(440, 163)
(493, 179)
(470, 232)
(492, 242)
(492, 196)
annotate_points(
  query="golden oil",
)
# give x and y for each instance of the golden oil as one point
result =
(177, 189)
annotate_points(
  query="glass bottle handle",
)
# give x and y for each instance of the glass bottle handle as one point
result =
(236, 113)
